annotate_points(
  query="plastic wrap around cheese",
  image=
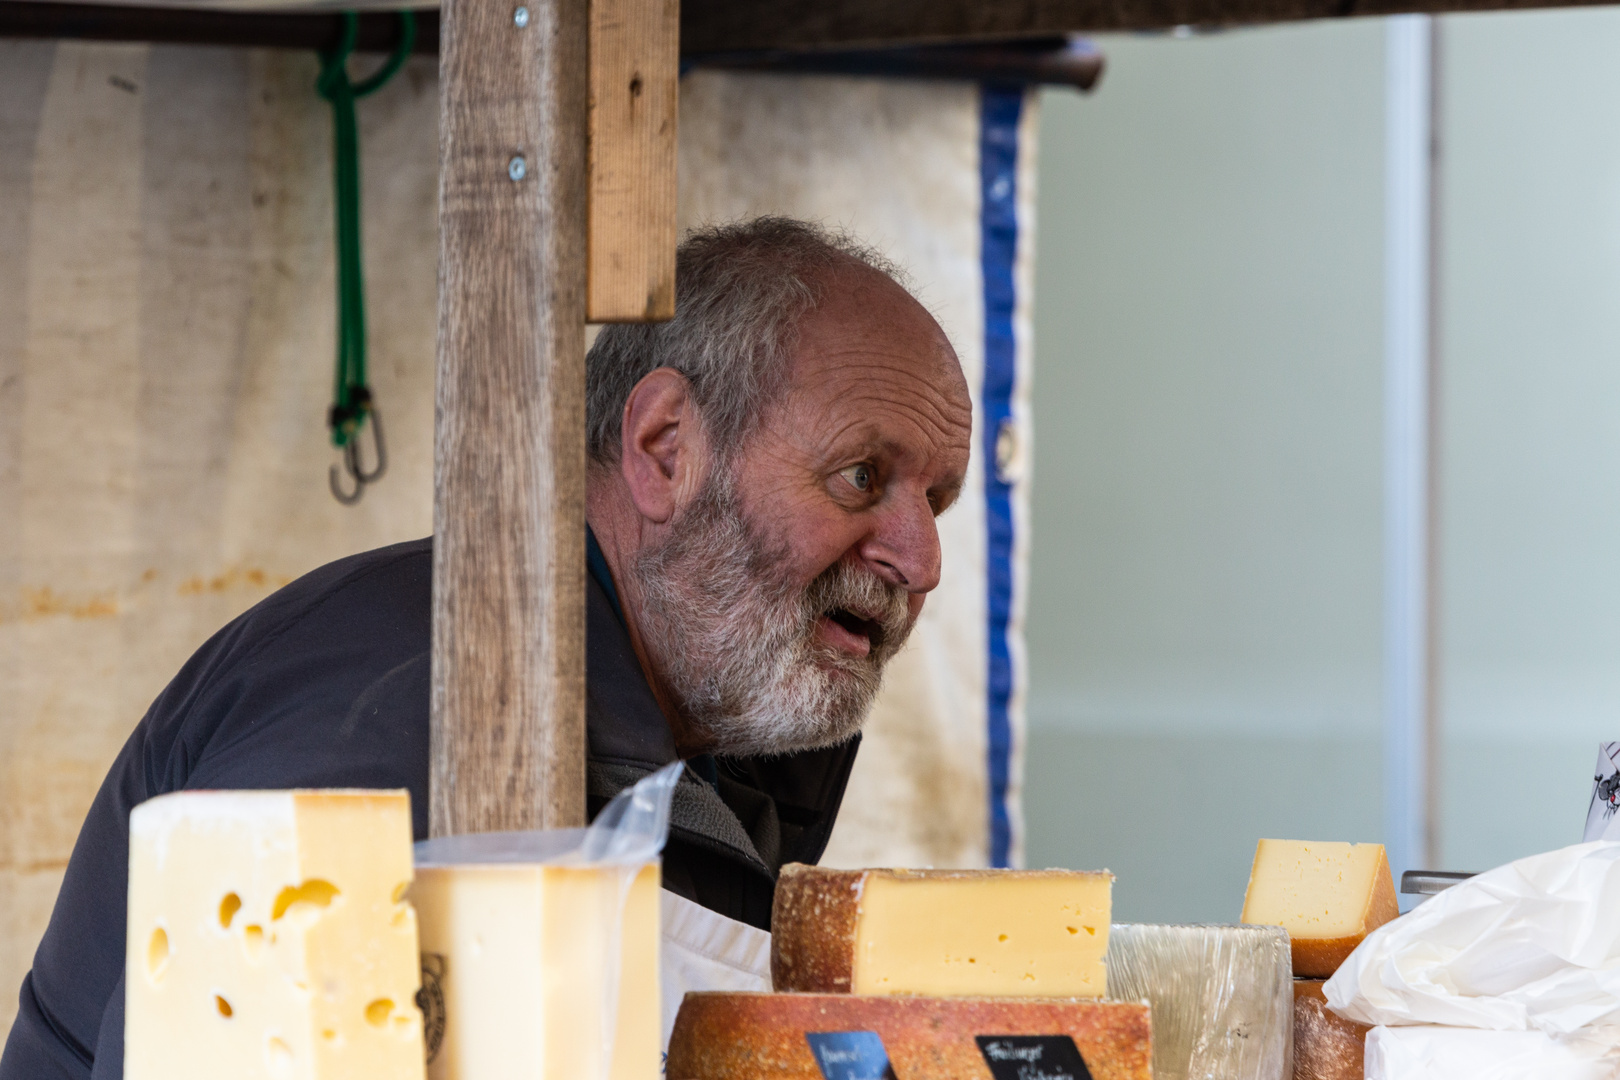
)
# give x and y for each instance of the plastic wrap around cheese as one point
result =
(268, 937)
(1433, 1052)
(1222, 997)
(524, 962)
(540, 949)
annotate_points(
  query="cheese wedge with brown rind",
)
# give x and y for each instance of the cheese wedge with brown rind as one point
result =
(1005, 933)
(1328, 895)
(741, 1036)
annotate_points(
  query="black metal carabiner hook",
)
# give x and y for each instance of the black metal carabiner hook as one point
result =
(352, 464)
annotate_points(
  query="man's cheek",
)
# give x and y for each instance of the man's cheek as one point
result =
(914, 603)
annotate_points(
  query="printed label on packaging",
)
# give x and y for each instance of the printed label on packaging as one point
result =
(1602, 823)
(850, 1055)
(430, 999)
(1033, 1057)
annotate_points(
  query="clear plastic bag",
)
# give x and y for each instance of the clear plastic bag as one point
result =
(631, 830)
(626, 836)
(1222, 997)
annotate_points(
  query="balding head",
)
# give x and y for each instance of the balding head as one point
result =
(766, 470)
(742, 291)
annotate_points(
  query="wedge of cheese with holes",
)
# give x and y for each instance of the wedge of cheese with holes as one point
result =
(1327, 895)
(269, 936)
(998, 933)
(536, 971)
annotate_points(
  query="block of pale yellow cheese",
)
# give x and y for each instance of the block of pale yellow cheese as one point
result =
(269, 936)
(1000, 933)
(536, 971)
(1327, 895)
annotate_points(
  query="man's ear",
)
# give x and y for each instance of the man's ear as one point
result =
(662, 446)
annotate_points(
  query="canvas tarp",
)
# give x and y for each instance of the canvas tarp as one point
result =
(166, 351)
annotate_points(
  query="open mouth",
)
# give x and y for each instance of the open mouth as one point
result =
(858, 625)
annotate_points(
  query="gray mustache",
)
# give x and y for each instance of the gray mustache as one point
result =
(881, 609)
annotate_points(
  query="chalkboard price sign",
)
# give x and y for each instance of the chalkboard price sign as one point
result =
(1033, 1057)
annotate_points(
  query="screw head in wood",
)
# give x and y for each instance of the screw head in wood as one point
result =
(520, 17)
(517, 168)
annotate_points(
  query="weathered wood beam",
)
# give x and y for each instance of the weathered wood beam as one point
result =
(508, 664)
(286, 29)
(635, 87)
(1046, 61)
(719, 26)
(739, 26)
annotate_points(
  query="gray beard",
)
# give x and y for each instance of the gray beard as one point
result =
(736, 642)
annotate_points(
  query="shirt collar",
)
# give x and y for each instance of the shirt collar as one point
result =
(596, 563)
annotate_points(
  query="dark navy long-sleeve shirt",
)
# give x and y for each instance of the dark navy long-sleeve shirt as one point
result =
(325, 684)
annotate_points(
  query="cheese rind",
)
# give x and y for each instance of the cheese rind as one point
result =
(1016, 933)
(268, 937)
(1222, 997)
(524, 961)
(1326, 1046)
(1327, 895)
(738, 1036)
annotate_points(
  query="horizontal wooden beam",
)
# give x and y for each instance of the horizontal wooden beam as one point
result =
(1048, 61)
(717, 26)
(738, 26)
(282, 29)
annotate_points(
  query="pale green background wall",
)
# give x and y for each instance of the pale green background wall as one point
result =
(1205, 614)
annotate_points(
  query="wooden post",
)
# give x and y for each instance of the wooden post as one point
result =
(508, 682)
(635, 84)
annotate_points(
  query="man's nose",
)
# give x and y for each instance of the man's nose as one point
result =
(904, 546)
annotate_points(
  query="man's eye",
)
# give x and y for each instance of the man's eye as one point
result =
(860, 477)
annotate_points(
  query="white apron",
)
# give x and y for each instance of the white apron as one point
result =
(705, 951)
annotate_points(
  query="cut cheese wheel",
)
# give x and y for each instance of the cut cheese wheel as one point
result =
(1327, 895)
(534, 971)
(1326, 1046)
(268, 936)
(1015, 933)
(731, 1036)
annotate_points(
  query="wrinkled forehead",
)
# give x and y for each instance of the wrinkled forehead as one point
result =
(871, 362)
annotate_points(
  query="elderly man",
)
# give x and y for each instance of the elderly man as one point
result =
(765, 471)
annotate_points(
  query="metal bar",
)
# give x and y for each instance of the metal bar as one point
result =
(1410, 716)
(1430, 882)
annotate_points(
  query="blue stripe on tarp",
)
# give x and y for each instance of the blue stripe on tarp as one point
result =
(1000, 108)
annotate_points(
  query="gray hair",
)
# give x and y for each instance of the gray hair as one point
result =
(740, 293)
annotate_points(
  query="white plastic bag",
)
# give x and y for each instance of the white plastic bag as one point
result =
(1534, 945)
(1428, 1052)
